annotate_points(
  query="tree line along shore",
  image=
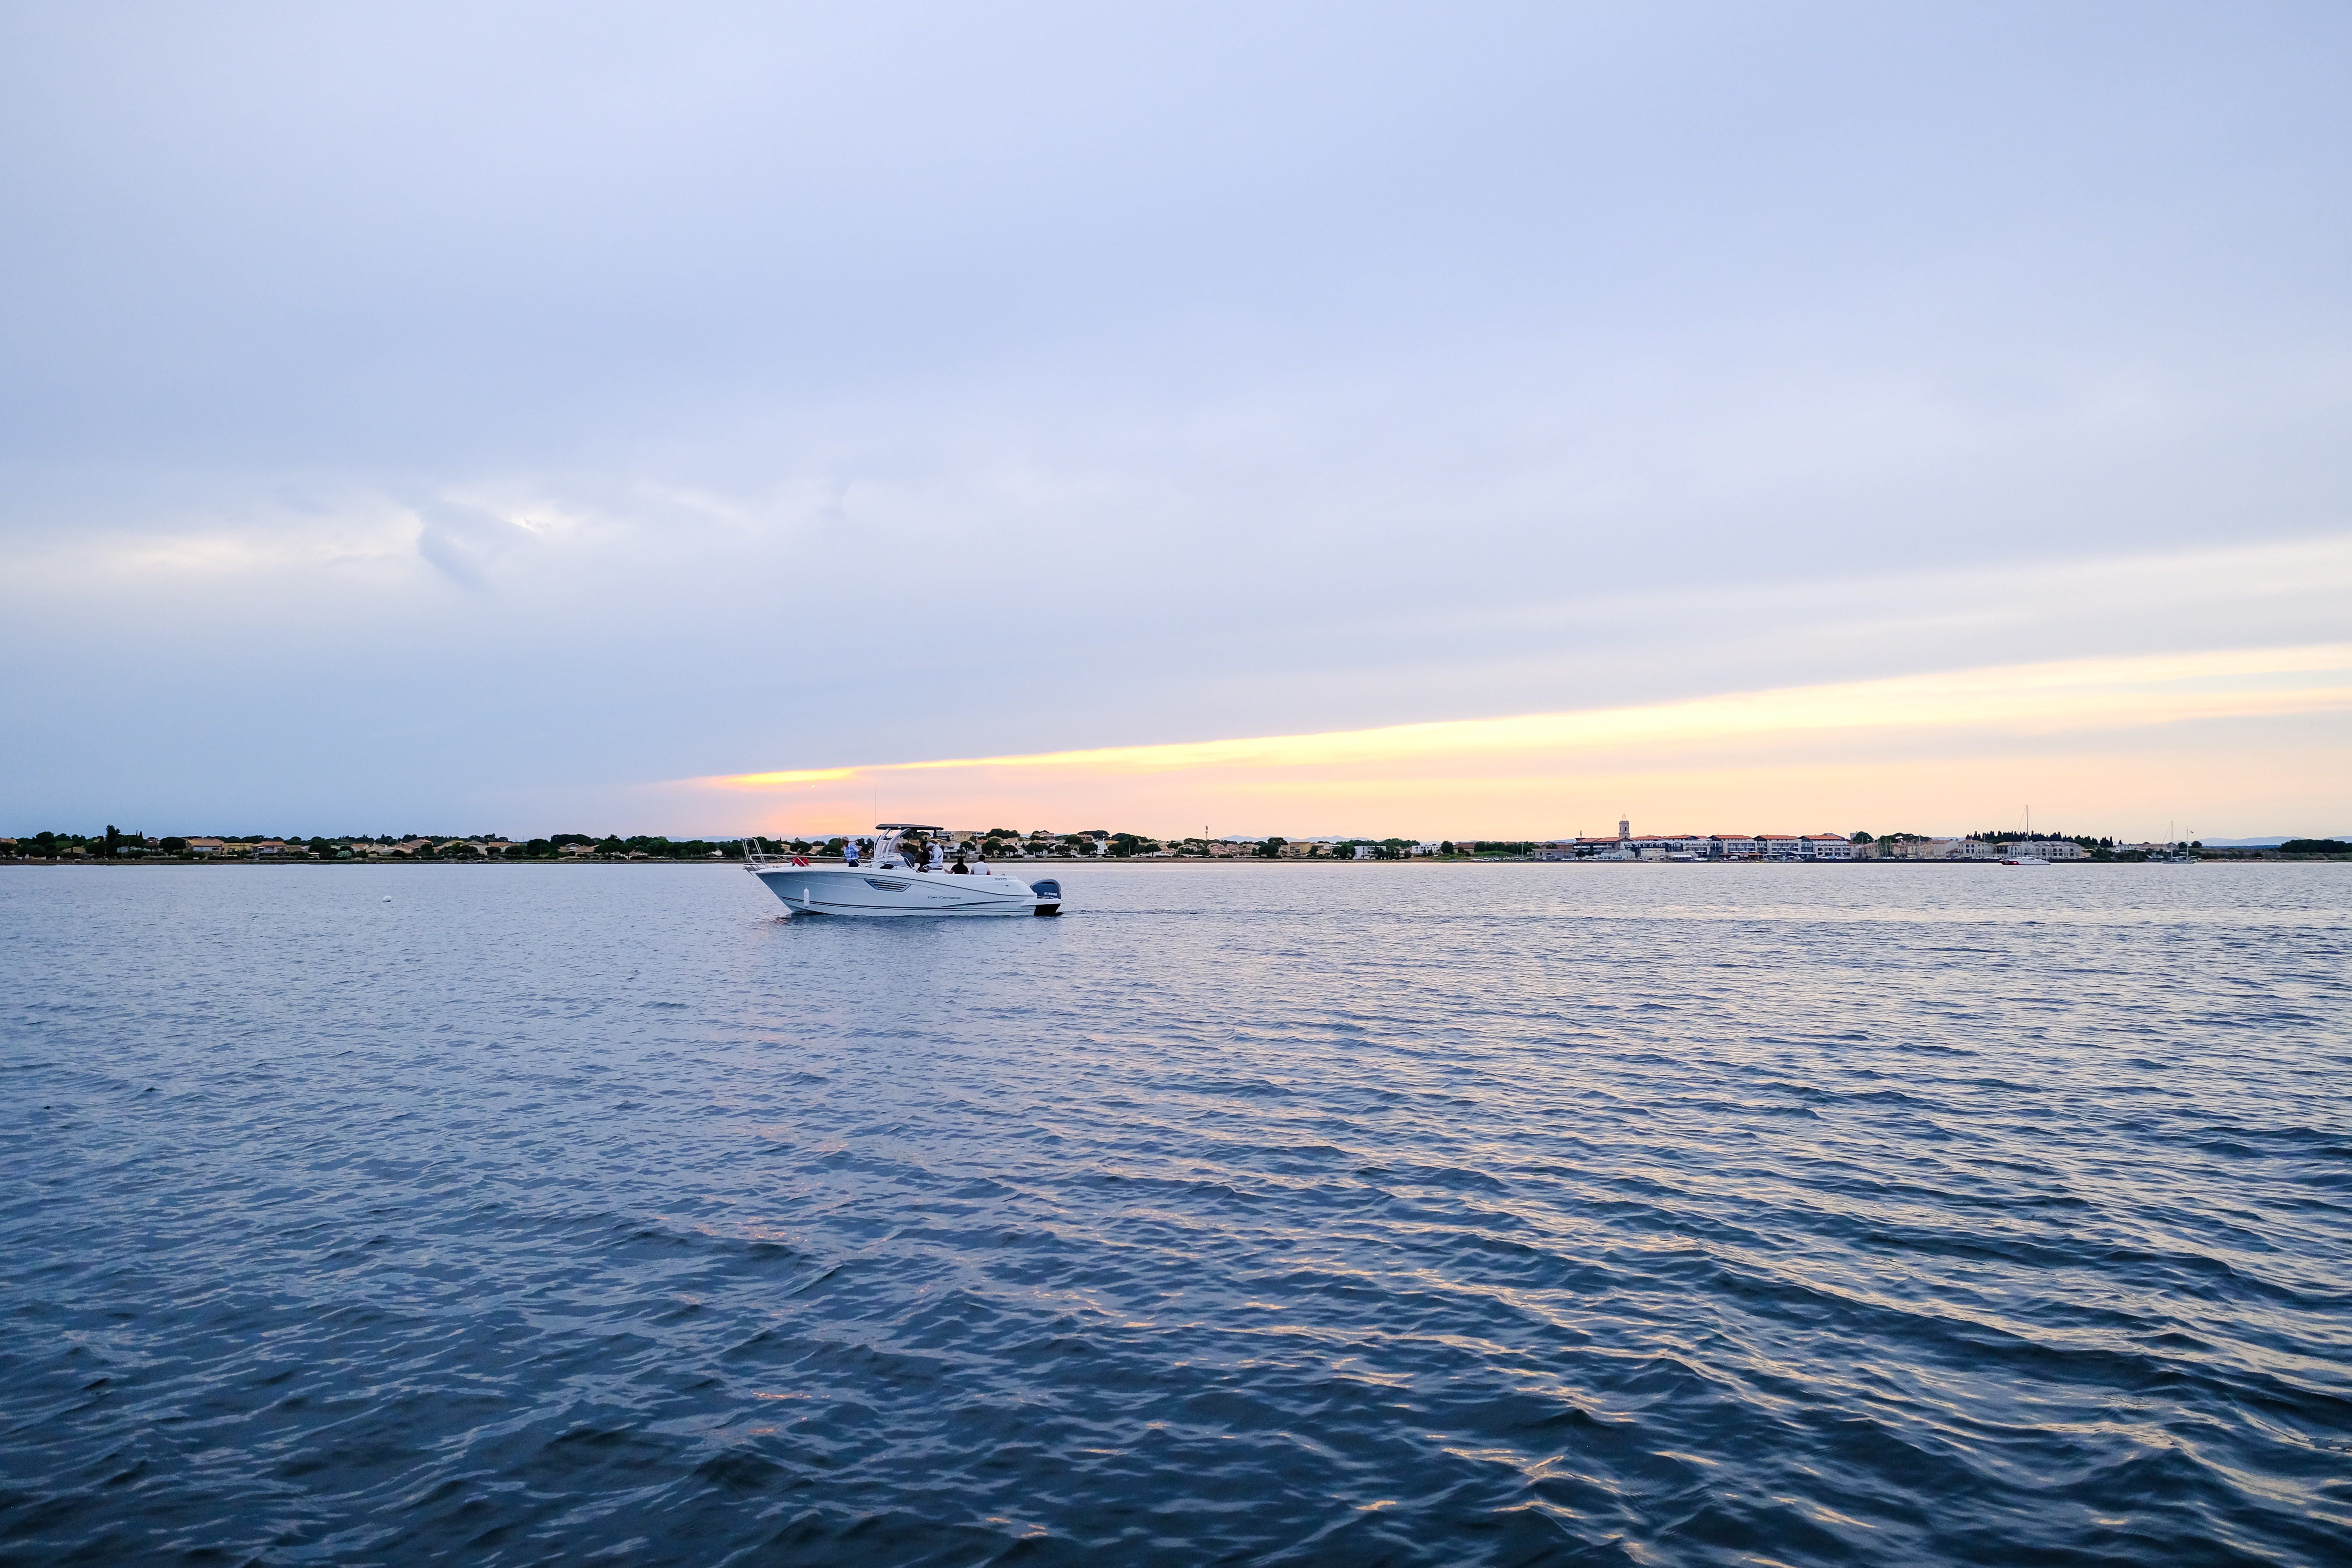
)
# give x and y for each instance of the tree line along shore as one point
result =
(117, 847)
(995, 844)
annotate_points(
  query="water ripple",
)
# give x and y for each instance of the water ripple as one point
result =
(1277, 1215)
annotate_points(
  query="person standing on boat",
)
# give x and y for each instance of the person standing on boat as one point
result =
(849, 851)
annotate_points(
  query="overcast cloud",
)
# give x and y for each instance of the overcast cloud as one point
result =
(459, 415)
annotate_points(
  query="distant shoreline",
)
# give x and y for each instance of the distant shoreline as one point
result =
(2225, 856)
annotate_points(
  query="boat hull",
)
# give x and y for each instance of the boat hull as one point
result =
(897, 894)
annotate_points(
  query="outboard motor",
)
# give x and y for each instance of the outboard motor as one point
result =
(1049, 895)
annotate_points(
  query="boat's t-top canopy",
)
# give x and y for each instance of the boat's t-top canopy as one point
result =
(908, 844)
(904, 846)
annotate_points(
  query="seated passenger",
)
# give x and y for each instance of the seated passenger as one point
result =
(959, 868)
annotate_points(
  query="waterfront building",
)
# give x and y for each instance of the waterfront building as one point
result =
(1946, 849)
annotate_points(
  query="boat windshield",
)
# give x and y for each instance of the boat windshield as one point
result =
(906, 845)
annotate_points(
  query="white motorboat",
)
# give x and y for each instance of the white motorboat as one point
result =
(2023, 860)
(894, 882)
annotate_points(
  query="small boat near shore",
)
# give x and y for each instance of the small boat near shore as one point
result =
(896, 882)
(2023, 853)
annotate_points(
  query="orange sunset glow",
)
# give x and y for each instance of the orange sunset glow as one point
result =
(2076, 739)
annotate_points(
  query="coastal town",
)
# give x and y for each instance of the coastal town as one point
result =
(117, 847)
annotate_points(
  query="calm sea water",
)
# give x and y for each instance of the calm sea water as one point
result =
(1410, 1215)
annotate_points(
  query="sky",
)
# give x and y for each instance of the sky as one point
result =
(1445, 422)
